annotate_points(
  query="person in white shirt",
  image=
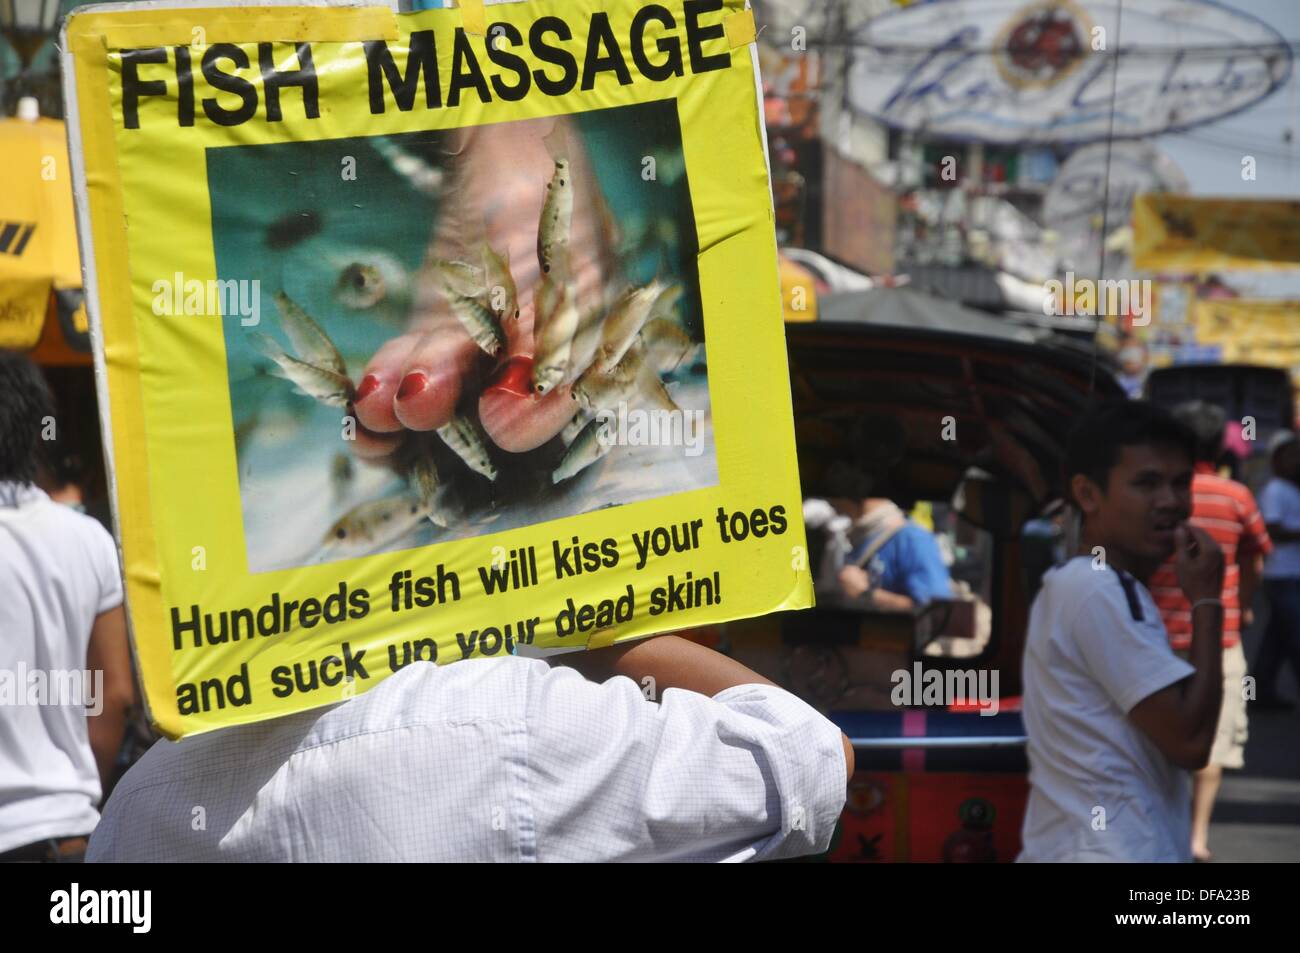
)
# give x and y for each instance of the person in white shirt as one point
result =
(1116, 721)
(658, 750)
(63, 644)
(1279, 504)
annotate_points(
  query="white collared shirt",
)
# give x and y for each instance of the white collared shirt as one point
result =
(1100, 789)
(58, 572)
(492, 760)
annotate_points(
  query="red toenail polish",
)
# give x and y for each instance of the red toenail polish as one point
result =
(412, 384)
(515, 377)
(369, 384)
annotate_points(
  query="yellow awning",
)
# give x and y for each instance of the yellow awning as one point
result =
(38, 234)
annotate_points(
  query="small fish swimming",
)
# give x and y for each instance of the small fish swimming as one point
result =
(553, 336)
(367, 278)
(574, 427)
(424, 479)
(293, 228)
(310, 343)
(500, 284)
(319, 383)
(587, 447)
(457, 277)
(650, 390)
(667, 344)
(595, 390)
(557, 209)
(479, 322)
(378, 523)
(624, 322)
(426, 483)
(341, 473)
(665, 306)
(360, 286)
(463, 437)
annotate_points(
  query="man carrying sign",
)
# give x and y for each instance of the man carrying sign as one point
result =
(671, 752)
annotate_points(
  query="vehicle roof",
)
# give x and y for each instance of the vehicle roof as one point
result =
(1011, 392)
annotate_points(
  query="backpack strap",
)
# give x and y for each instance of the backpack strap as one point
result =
(878, 543)
(1130, 593)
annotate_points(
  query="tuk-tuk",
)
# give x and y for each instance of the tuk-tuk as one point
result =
(966, 416)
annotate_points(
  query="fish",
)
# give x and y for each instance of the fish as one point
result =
(623, 323)
(500, 283)
(423, 478)
(667, 344)
(378, 523)
(457, 277)
(665, 306)
(425, 481)
(547, 297)
(293, 228)
(341, 474)
(368, 278)
(319, 383)
(595, 390)
(360, 286)
(424, 178)
(650, 390)
(587, 447)
(574, 427)
(479, 322)
(310, 343)
(555, 323)
(631, 381)
(462, 436)
(557, 209)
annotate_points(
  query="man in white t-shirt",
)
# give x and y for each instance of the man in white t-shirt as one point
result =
(61, 617)
(1279, 504)
(1116, 721)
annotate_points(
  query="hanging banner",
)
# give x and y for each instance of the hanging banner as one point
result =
(1178, 233)
(1257, 322)
(430, 337)
(1060, 71)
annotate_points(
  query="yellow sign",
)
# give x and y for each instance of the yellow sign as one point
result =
(430, 340)
(1251, 331)
(1247, 321)
(38, 241)
(1177, 233)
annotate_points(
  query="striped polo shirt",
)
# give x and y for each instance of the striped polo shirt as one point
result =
(1226, 510)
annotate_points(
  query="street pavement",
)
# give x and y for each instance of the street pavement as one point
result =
(1257, 815)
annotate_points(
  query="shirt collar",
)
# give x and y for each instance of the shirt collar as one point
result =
(14, 495)
(1203, 467)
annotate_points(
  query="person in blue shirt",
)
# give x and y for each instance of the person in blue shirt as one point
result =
(885, 561)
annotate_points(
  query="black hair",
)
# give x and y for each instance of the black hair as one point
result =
(1206, 421)
(1094, 444)
(25, 404)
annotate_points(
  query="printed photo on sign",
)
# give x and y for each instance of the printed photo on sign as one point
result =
(433, 336)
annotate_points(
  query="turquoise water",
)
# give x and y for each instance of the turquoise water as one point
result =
(286, 216)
